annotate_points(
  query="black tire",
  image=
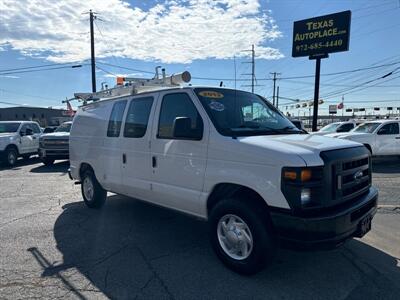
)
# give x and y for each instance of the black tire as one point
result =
(11, 157)
(264, 243)
(47, 161)
(99, 195)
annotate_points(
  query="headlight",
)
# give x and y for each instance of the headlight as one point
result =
(302, 186)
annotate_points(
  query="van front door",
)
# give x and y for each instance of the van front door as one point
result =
(179, 160)
(135, 144)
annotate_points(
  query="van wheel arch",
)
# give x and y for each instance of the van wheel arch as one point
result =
(85, 167)
(229, 190)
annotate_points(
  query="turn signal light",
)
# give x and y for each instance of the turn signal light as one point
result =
(291, 175)
(305, 175)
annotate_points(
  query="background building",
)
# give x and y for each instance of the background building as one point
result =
(44, 116)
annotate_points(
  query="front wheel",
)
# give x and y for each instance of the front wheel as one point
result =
(92, 192)
(11, 157)
(241, 236)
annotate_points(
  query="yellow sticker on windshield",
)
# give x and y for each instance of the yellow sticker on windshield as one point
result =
(211, 94)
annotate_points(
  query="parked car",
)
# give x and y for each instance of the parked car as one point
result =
(298, 123)
(18, 138)
(231, 158)
(55, 145)
(336, 127)
(380, 137)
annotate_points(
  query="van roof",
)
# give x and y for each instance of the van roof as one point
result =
(161, 89)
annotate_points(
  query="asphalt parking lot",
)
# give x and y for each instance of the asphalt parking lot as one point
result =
(52, 246)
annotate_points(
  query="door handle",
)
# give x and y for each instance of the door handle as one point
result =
(124, 158)
(398, 138)
(154, 162)
(34, 137)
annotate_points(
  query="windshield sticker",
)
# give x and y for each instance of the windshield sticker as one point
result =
(217, 106)
(211, 94)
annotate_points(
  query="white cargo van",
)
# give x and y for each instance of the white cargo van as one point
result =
(231, 158)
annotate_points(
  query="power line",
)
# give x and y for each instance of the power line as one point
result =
(46, 69)
(36, 67)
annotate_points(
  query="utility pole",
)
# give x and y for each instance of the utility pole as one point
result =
(252, 68)
(93, 62)
(277, 98)
(273, 93)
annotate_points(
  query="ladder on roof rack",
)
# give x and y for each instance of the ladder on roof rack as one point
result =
(132, 86)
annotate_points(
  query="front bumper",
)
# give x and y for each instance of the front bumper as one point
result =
(329, 228)
(54, 153)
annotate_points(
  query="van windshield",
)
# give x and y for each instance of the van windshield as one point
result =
(239, 113)
(9, 127)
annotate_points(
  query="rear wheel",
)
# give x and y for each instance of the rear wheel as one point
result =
(241, 236)
(11, 157)
(92, 192)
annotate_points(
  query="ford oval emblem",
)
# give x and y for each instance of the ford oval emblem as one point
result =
(358, 175)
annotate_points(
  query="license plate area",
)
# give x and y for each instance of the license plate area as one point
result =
(364, 226)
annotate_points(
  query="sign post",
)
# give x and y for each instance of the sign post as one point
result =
(315, 38)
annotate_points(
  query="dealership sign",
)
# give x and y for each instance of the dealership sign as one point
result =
(332, 109)
(321, 35)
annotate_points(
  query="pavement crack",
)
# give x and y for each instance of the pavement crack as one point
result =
(155, 274)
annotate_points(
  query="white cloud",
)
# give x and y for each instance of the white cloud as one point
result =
(9, 76)
(172, 32)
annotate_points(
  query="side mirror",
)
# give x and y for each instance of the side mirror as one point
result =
(22, 133)
(182, 128)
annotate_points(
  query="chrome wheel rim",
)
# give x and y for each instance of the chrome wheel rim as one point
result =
(234, 237)
(88, 189)
(12, 158)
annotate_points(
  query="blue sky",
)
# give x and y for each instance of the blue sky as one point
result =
(198, 36)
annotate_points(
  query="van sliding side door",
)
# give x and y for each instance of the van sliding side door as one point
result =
(135, 145)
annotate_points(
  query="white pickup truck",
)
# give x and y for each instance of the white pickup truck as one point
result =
(381, 137)
(229, 157)
(18, 138)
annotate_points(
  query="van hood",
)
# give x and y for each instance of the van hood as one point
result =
(307, 146)
(55, 135)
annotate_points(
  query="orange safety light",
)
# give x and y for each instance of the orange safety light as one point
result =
(120, 80)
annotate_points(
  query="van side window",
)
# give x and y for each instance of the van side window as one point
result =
(138, 117)
(114, 125)
(175, 106)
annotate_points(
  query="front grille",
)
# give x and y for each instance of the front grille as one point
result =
(347, 175)
(352, 177)
(55, 144)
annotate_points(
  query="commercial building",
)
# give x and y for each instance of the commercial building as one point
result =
(44, 116)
